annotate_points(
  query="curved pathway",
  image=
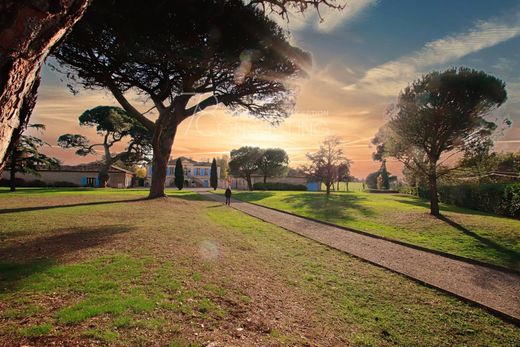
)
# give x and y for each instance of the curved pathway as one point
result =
(498, 291)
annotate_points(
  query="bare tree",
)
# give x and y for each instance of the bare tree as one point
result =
(325, 162)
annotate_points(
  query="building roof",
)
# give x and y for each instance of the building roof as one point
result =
(88, 167)
(190, 161)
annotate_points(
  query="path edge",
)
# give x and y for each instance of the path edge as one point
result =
(402, 243)
(502, 315)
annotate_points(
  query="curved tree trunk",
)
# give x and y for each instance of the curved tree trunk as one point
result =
(162, 143)
(29, 30)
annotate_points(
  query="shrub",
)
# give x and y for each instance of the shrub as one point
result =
(64, 184)
(502, 199)
(512, 200)
(278, 186)
(20, 182)
(36, 183)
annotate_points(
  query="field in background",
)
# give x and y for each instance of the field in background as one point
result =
(462, 232)
(81, 266)
(352, 187)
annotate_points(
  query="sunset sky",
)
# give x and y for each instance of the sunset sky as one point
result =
(362, 58)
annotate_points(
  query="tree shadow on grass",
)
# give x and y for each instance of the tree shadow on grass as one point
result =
(329, 208)
(26, 190)
(449, 208)
(19, 260)
(253, 196)
(186, 195)
(511, 257)
(49, 207)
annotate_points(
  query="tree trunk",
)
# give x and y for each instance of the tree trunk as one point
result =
(103, 175)
(265, 179)
(249, 183)
(346, 183)
(29, 30)
(162, 142)
(327, 186)
(434, 198)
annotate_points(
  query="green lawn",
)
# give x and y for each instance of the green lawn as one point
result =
(462, 232)
(80, 267)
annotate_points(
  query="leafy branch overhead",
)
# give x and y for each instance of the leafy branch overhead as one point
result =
(185, 57)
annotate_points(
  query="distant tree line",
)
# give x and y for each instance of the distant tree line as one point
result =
(247, 161)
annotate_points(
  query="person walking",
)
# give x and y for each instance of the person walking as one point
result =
(228, 196)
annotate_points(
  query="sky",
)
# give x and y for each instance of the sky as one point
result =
(362, 57)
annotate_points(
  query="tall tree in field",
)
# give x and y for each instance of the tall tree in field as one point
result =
(179, 174)
(325, 162)
(30, 29)
(176, 53)
(438, 116)
(273, 162)
(244, 163)
(25, 157)
(213, 178)
(113, 125)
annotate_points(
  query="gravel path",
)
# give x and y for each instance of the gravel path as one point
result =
(495, 289)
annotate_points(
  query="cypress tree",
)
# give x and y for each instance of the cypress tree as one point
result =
(213, 178)
(179, 174)
(385, 176)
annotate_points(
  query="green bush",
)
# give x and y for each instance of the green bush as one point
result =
(64, 184)
(278, 186)
(501, 199)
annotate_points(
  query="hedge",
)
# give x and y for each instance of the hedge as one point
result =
(20, 182)
(501, 199)
(278, 186)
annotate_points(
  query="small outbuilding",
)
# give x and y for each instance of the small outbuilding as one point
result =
(83, 175)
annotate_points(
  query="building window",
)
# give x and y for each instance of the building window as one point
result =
(91, 181)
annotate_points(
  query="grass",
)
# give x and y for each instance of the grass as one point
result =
(463, 232)
(186, 272)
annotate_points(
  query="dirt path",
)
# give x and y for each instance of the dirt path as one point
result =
(497, 290)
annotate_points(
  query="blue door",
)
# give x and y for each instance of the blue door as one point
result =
(205, 184)
(313, 186)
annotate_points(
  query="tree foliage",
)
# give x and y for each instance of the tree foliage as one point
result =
(176, 53)
(179, 174)
(438, 116)
(244, 163)
(222, 163)
(114, 125)
(26, 157)
(213, 178)
(273, 162)
(324, 163)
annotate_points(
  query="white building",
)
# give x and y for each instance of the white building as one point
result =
(196, 174)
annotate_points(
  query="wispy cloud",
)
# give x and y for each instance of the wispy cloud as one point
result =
(332, 18)
(387, 79)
